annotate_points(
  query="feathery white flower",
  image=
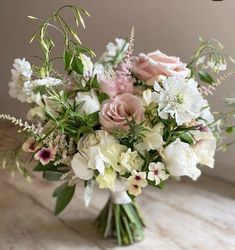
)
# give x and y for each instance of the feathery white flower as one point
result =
(21, 74)
(180, 99)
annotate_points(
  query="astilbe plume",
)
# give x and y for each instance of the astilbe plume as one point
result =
(124, 72)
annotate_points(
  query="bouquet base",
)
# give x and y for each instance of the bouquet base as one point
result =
(122, 222)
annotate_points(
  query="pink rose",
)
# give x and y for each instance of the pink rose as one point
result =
(115, 112)
(153, 66)
(113, 87)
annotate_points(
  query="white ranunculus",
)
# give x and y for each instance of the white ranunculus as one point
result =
(91, 102)
(205, 147)
(153, 138)
(80, 167)
(130, 160)
(180, 99)
(21, 74)
(101, 150)
(180, 159)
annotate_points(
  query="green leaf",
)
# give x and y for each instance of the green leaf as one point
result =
(186, 138)
(59, 189)
(64, 196)
(42, 168)
(205, 77)
(67, 59)
(94, 82)
(102, 97)
(230, 130)
(52, 175)
(77, 65)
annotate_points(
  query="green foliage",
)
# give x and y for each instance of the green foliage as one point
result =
(72, 42)
(205, 77)
(64, 193)
(207, 60)
(70, 120)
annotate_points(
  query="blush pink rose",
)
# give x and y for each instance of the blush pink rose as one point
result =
(153, 66)
(113, 87)
(115, 112)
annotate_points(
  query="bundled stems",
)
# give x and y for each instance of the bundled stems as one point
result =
(121, 221)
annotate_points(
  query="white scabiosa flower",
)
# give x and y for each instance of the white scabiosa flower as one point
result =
(180, 159)
(180, 99)
(205, 147)
(21, 74)
(157, 172)
(91, 102)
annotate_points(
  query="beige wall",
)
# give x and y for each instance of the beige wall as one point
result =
(172, 26)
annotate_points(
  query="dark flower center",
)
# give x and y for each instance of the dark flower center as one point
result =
(137, 177)
(155, 172)
(136, 186)
(45, 154)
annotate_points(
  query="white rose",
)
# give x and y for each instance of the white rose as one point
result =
(180, 159)
(205, 147)
(91, 102)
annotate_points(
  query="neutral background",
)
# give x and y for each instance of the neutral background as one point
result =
(173, 26)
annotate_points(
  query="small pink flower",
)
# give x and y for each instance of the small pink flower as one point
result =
(30, 145)
(113, 87)
(45, 155)
(116, 111)
(155, 65)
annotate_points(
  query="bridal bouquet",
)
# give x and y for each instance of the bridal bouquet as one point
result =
(121, 123)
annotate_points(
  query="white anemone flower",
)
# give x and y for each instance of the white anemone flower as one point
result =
(180, 99)
(180, 159)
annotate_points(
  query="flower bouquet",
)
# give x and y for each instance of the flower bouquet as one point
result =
(122, 123)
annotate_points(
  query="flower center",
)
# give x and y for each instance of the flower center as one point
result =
(179, 98)
(155, 172)
(135, 186)
(45, 154)
(137, 177)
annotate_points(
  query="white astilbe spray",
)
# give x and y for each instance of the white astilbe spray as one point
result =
(30, 128)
